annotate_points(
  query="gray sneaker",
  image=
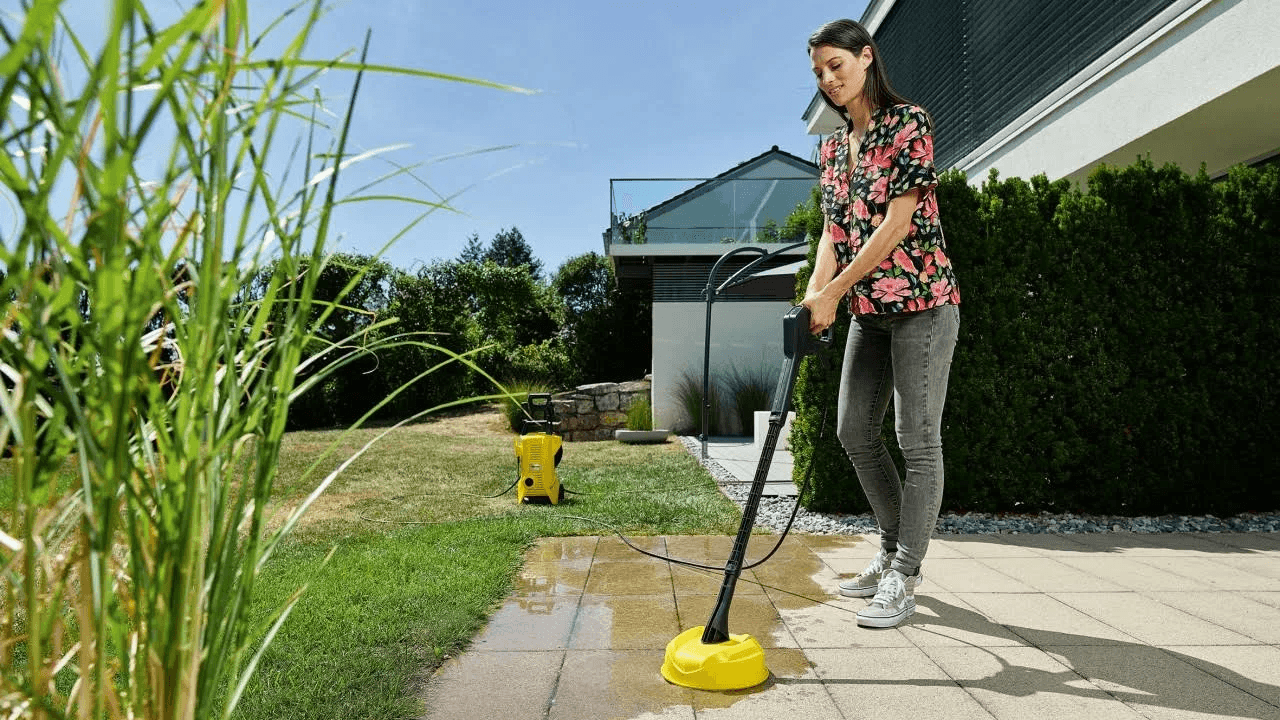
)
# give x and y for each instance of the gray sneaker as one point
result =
(867, 582)
(894, 602)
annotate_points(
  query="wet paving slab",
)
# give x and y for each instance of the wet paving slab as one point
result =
(1006, 627)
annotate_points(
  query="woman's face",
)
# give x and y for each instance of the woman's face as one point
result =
(840, 73)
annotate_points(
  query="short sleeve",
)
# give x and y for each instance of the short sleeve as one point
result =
(912, 151)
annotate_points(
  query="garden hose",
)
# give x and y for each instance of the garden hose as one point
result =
(795, 510)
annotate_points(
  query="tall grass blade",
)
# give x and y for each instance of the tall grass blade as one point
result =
(151, 348)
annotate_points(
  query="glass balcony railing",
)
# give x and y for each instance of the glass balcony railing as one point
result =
(703, 210)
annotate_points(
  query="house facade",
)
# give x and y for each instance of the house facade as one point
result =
(1043, 86)
(670, 247)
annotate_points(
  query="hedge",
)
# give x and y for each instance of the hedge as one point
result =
(1116, 353)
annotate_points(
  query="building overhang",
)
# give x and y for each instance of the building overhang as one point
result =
(634, 264)
(677, 250)
(1180, 89)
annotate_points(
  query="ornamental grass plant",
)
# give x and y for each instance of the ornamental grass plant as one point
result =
(144, 354)
(749, 391)
(688, 393)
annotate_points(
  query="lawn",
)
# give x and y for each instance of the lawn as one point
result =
(420, 557)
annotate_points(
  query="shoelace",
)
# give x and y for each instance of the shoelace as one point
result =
(891, 589)
(878, 564)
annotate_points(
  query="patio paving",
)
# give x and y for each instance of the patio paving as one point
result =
(1008, 626)
(1114, 625)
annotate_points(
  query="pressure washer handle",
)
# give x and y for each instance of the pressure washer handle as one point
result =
(797, 343)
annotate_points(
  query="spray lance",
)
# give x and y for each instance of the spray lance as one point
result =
(709, 657)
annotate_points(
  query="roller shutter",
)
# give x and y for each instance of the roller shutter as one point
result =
(977, 65)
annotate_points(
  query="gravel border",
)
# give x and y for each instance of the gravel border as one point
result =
(774, 512)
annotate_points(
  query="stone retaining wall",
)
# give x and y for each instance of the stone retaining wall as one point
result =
(593, 412)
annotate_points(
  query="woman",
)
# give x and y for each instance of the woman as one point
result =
(882, 248)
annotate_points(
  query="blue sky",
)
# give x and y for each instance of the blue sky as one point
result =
(641, 89)
(644, 89)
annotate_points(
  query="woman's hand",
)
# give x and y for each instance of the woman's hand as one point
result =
(822, 308)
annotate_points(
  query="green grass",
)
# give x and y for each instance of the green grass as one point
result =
(394, 600)
(398, 596)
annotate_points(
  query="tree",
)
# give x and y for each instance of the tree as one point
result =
(583, 283)
(509, 249)
(423, 306)
(607, 330)
(474, 252)
(353, 290)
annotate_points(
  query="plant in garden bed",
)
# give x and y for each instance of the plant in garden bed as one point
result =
(132, 352)
(640, 415)
(688, 393)
(749, 391)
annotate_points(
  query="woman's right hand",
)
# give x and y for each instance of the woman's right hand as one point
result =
(822, 309)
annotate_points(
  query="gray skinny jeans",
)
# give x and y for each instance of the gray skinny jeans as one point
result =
(908, 354)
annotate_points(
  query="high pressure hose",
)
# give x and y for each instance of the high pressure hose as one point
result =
(795, 510)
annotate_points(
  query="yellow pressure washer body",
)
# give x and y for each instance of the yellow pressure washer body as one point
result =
(538, 451)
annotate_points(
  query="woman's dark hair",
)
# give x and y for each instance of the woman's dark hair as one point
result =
(852, 36)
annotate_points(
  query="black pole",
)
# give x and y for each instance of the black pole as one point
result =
(737, 278)
(797, 342)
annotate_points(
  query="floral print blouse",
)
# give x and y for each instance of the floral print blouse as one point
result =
(896, 155)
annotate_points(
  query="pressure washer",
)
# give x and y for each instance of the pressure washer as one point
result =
(709, 657)
(538, 452)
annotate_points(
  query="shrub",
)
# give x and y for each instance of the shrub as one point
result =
(545, 364)
(607, 330)
(1115, 351)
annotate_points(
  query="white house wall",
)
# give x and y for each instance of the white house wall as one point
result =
(1135, 105)
(739, 337)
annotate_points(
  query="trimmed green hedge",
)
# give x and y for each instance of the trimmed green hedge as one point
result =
(1117, 348)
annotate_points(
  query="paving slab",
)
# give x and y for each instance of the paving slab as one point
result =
(1132, 573)
(1162, 683)
(1026, 682)
(1048, 575)
(464, 687)
(969, 575)
(616, 685)
(741, 458)
(1221, 573)
(1234, 611)
(893, 682)
(1254, 669)
(1137, 544)
(1152, 622)
(943, 620)
(624, 622)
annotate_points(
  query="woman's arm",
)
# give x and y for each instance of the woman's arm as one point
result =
(824, 293)
(824, 263)
(824, 268)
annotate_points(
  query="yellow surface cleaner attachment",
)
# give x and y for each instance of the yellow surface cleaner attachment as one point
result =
(730, 665)
(708, 657)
